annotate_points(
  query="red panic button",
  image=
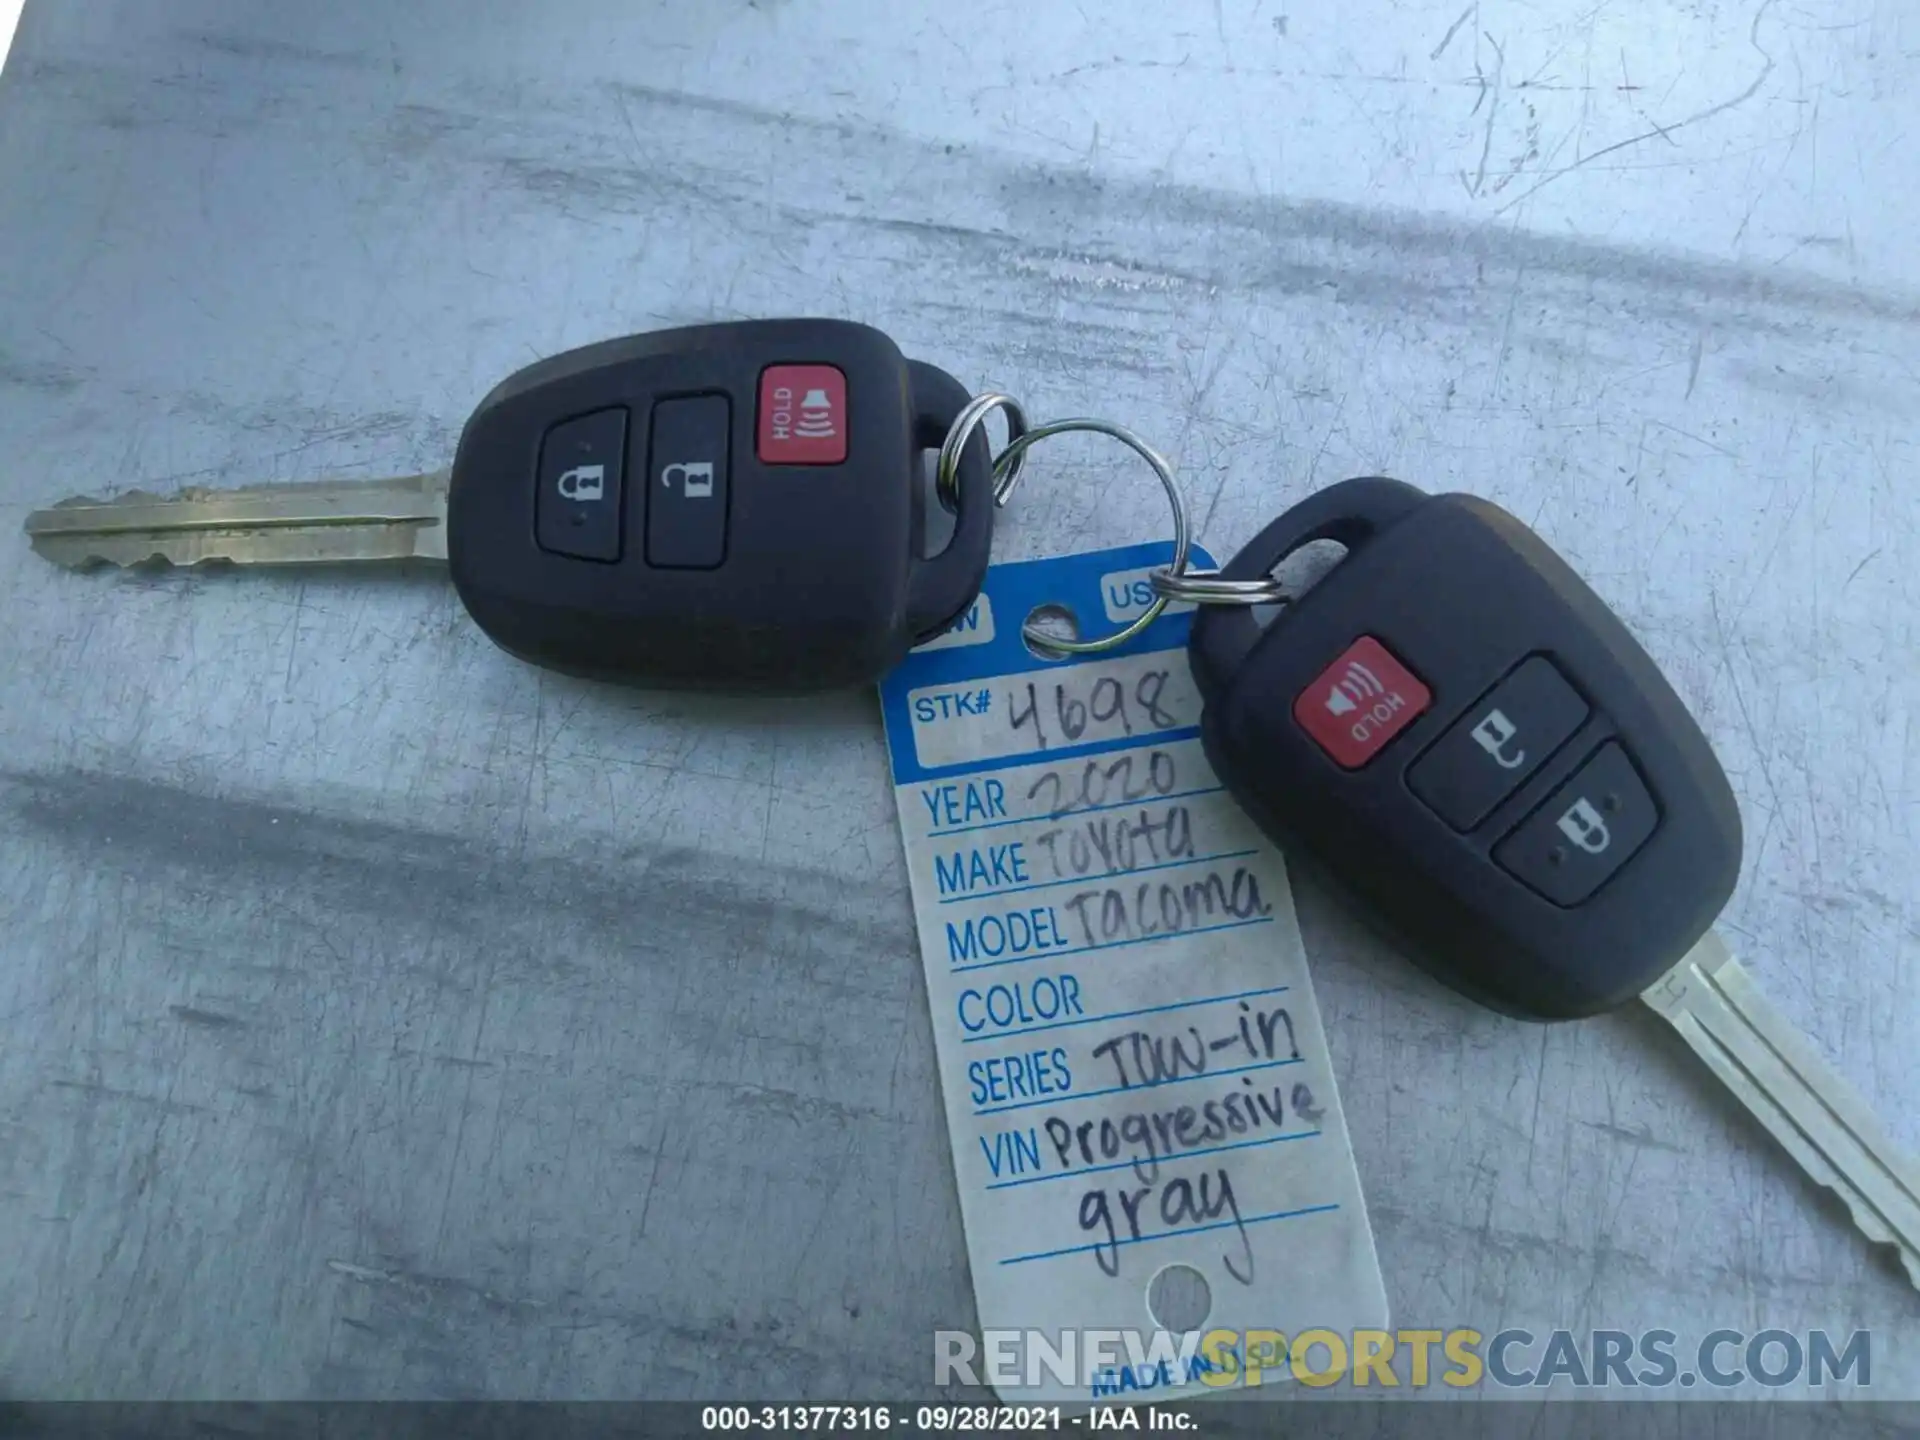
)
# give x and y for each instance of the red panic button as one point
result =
(803, 415)
(1359, 703)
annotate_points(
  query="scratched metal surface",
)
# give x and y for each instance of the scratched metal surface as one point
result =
(383, 1018)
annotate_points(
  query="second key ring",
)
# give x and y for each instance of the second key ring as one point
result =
(1007, 466)
(1016, 450)
(1172, 582)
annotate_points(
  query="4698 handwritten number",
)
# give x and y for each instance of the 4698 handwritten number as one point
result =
(1135, 707)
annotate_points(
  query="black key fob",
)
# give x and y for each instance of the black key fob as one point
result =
(1468, 741)
(725, 507)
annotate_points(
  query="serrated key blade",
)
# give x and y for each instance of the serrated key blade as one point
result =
(1776, 1073)
(316, 523)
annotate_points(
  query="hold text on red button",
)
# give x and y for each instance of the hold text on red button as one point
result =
(1360, 702)
(803, 415)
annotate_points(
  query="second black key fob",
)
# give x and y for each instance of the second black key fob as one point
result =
(1468, 740)
(723, 507)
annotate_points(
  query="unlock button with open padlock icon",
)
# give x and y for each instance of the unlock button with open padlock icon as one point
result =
(695, 479)
(687, 503)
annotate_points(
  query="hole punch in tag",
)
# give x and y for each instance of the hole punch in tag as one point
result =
(1153, 1167)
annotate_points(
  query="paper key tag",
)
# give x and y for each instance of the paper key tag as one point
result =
(1154, 1172)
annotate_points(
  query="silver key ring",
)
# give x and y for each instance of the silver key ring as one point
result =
(1053, 644)
(1171, 583)
(1006, 470)
(1205, 587)
(1006, 466)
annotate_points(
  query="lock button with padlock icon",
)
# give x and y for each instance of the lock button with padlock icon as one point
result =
(583, 482)
(1585, 830)
(578, 494)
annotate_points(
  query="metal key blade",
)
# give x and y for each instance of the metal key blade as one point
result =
(1714, 1004)
(322, 522)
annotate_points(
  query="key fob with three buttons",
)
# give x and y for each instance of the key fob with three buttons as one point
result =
(1468, 740)
(734, 506)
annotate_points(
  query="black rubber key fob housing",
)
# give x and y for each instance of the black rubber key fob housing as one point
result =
(724, 507)
(1467, 740)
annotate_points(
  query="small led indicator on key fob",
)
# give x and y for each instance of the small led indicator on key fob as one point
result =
(1360, 702)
